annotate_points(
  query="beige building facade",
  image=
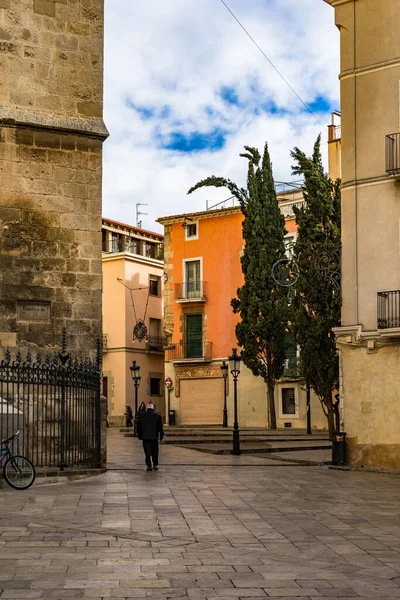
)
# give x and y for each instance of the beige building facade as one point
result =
(133, 281)
(369, 337)
(51, 134)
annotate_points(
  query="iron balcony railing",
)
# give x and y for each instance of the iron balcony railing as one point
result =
(287, 208)
(393, 154)
(195, 349)
(388, 309)
(291, 368)
(191, 290)
(156, 342)
(133, 246)
(334, 133)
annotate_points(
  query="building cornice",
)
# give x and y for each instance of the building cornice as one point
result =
(372, 68)
(125, 228)
(18, 117)
(205, 214)
(335, 3)
(355, 336)
(368, 181)
(136, 258)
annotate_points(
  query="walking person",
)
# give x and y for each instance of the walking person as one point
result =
(129, 416)
(142, 407)
(150, 429)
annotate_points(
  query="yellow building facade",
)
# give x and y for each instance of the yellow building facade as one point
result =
(369, 337)
(133, 282)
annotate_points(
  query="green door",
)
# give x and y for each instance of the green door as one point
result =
(194, 336)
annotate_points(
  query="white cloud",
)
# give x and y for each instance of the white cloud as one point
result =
(171, 59)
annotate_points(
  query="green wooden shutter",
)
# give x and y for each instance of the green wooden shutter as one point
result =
(194, 336)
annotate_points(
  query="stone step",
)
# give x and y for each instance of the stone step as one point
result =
(227, 439)
(259, 449)
(243, 439)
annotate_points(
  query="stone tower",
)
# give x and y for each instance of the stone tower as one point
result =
(369, 337)
(51, 134)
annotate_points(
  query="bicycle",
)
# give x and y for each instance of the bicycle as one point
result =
(18, 471)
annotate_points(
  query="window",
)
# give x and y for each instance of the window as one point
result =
(290, 241)
(150, 250)
(192, 283)
(154, 285)
(104, 240)
(116, 242)
(155, 342)
(191, 231)
(134, 246)
(288, 401)
(155, 386)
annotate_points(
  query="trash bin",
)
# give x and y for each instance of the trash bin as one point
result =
(171, 417)
(339, 448)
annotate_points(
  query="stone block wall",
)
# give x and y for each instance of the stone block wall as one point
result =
(51, 57)
(51, 134)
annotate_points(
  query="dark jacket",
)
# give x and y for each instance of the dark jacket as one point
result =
(150, 426)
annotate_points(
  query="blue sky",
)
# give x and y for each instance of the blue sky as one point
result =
(185, 90)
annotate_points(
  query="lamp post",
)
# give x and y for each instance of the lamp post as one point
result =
(135, 372)
(234, 366)
(224, 370)
(308, 391)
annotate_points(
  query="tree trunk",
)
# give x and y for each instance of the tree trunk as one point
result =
(271, 404)
(331, 416)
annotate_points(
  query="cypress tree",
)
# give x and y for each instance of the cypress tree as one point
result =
(315, 308)
(261, 302)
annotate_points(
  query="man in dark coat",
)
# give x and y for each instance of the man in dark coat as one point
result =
(149, 429)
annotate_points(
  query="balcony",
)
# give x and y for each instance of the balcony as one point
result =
(393, 155)
(156, 343)
(191, 291)
(291, 368)
(334, 133)
(286, 208)
(193, 351)
(389, 309)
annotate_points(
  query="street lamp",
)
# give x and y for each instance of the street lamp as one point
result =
(224, 370)
(234, 366)
(135, 372)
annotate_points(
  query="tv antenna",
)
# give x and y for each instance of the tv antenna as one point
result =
(138, 213)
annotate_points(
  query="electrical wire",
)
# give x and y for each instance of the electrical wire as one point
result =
(272, 65)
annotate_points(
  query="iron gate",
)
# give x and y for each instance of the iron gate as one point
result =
(55, 404)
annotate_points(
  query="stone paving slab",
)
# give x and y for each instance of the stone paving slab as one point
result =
(203, 530)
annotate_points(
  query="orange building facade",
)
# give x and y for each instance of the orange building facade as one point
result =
(203, 273)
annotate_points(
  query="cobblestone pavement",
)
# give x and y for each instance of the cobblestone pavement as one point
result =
(203, 530)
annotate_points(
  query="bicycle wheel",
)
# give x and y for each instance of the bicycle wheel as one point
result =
(19, 472)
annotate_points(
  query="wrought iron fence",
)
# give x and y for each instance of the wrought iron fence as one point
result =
(55, 404)
(388, 309)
